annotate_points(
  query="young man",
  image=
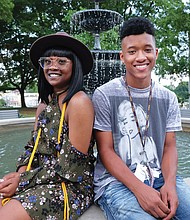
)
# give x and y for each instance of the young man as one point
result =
(135, 125)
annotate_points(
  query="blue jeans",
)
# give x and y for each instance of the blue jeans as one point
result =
(119, 203)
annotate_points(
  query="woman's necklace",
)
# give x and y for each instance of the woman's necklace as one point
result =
(57, 94)
(61, 92)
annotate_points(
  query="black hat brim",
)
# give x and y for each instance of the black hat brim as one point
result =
(64, 41)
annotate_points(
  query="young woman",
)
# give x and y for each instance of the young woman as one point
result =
(54, 178)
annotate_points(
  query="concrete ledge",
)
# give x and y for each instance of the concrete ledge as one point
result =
(95, 213)
(185, 124)
(17, 121)
(185, 120)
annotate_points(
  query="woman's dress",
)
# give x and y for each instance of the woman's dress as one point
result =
(40, 191)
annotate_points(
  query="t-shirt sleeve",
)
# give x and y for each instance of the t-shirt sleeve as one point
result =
(102, 111)
(174, 115)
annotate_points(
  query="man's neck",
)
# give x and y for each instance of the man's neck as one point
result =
(138, 83)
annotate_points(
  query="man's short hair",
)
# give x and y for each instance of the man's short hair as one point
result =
(136, 26)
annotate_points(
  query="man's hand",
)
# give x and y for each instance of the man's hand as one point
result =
(151, 201)
(170, 198)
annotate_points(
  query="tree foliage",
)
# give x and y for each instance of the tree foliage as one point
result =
(173, 29)
(182, 92)
(33, 18)
(6, 7)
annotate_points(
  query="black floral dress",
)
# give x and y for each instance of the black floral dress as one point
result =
(40, 191)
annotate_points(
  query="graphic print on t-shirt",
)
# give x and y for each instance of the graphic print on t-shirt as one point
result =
(130, 146)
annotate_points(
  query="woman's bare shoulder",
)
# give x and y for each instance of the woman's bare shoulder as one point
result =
(79, 104)
(80, 98)
(40, 108)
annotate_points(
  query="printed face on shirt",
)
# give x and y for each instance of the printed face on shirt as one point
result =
(139, 54)
(127, 123)
(130, 147)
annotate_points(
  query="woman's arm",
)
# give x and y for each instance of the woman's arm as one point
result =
(80, 118)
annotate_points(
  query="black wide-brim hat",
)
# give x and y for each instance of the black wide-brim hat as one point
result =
(65, 41)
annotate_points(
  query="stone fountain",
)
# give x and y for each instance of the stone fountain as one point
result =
(107, 63)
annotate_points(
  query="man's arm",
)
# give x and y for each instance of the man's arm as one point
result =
(169, 170)
(148, 198)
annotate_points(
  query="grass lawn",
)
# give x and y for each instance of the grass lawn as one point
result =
(27, 112)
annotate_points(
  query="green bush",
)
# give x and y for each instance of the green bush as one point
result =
(2, 103)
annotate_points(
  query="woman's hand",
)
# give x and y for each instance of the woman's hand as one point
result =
(9, 184)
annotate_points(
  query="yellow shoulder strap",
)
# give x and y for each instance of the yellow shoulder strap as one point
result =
(66, 200)
(34, 150)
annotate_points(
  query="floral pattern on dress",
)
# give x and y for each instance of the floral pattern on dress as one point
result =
(40, 191)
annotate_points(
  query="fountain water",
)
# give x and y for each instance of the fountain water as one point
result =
(107, 63)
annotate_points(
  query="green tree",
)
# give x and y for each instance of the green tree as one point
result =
(173, 40)
(182, 92)
(2, 102)
(6, 7)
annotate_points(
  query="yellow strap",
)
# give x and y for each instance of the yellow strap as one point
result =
(5, 200)
(61, 122)
(34, 150)
(66, 200)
